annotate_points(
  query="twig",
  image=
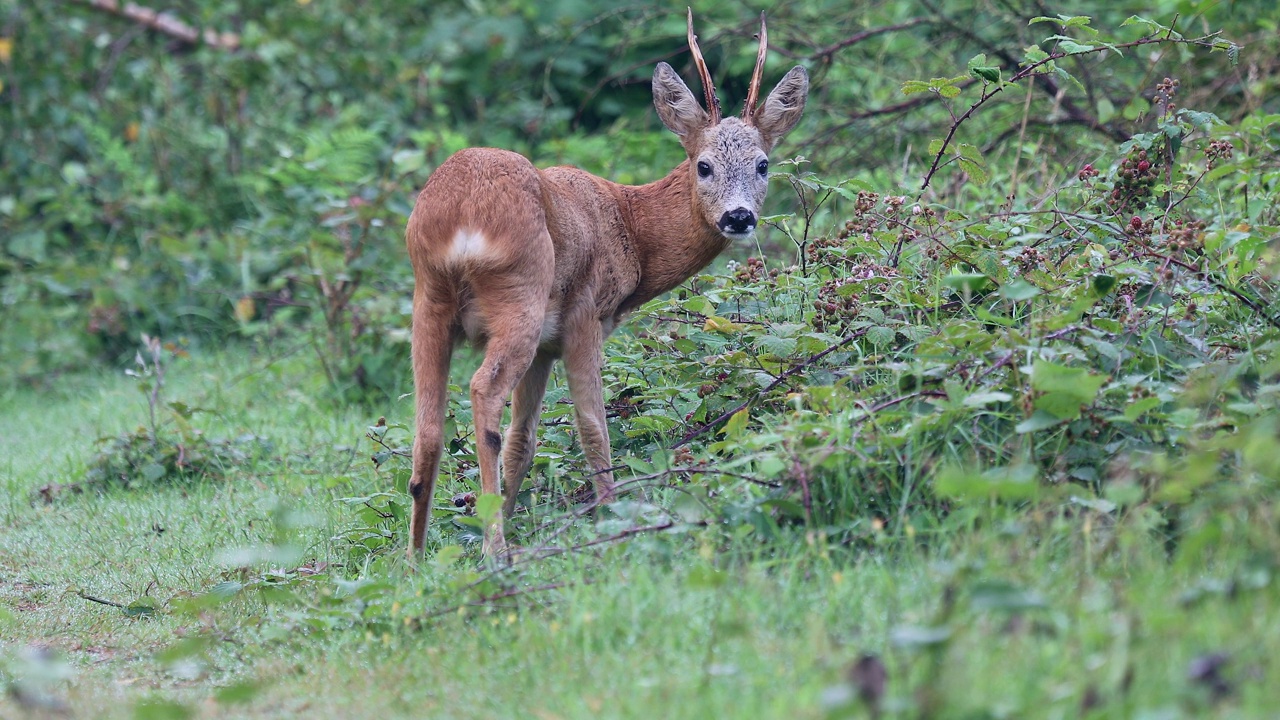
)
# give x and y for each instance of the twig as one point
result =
(100, 601)
(828, 51)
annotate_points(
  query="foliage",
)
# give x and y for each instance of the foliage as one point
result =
(984, 425)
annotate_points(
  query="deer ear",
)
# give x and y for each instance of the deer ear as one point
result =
(676, 105)
(781, 110)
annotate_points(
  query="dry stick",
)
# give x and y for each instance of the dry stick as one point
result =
(100, 601)
(794, 370)
(166, 24)
(1031, 71)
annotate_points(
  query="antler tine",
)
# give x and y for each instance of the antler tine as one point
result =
(753, 93)
(708, 89)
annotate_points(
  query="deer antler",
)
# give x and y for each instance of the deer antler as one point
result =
(708, 89)
(753, 93)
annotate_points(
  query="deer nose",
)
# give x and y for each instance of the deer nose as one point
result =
(738, 221)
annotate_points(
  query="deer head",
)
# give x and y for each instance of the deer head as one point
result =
(730, 156)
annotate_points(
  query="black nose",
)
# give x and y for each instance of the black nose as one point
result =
(738, 221)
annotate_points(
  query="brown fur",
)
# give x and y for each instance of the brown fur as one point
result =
(538, 265)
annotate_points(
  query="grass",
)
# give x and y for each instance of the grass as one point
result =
(1054, 612)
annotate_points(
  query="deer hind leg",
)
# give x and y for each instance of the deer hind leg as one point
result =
(583, 361)
(514, 328)
(432, 347)
(522, 434)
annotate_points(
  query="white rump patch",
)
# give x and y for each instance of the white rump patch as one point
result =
(467, 244)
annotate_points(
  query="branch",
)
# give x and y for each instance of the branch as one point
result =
(828, 51)
(166, 24)
(100, 601)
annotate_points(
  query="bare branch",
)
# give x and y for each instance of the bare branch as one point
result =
(166, 24)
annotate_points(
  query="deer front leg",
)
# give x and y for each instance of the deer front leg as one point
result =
(522, 435)
(583, 361)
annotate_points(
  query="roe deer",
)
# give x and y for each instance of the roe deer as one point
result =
(535, 265)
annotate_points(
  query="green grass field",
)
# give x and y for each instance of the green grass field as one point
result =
(1052, 612)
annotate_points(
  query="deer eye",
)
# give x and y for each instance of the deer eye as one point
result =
(704, 169)
(762, 167)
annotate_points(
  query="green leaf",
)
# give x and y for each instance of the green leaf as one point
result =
(1019, 290)
(1137, 408)
(963, 282)
(449, 554)
(988, 74)
(1077, 383)
(935, 146)
(976, 172)
(1039, 420)
(1202, 120)
(1034, 54)
(1071, 47)
(1102, 284)
(911, 87)
(142, 607)
(488, 505)
(982, 399)
(970, 152)
(987, 316)
(777, 346)
(737, 424)
(1060, 405)
(981, 69)
(881, 336)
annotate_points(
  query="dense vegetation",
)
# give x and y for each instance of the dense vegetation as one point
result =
(985, 423)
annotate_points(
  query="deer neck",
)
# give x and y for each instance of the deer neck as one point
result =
(671, 239)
